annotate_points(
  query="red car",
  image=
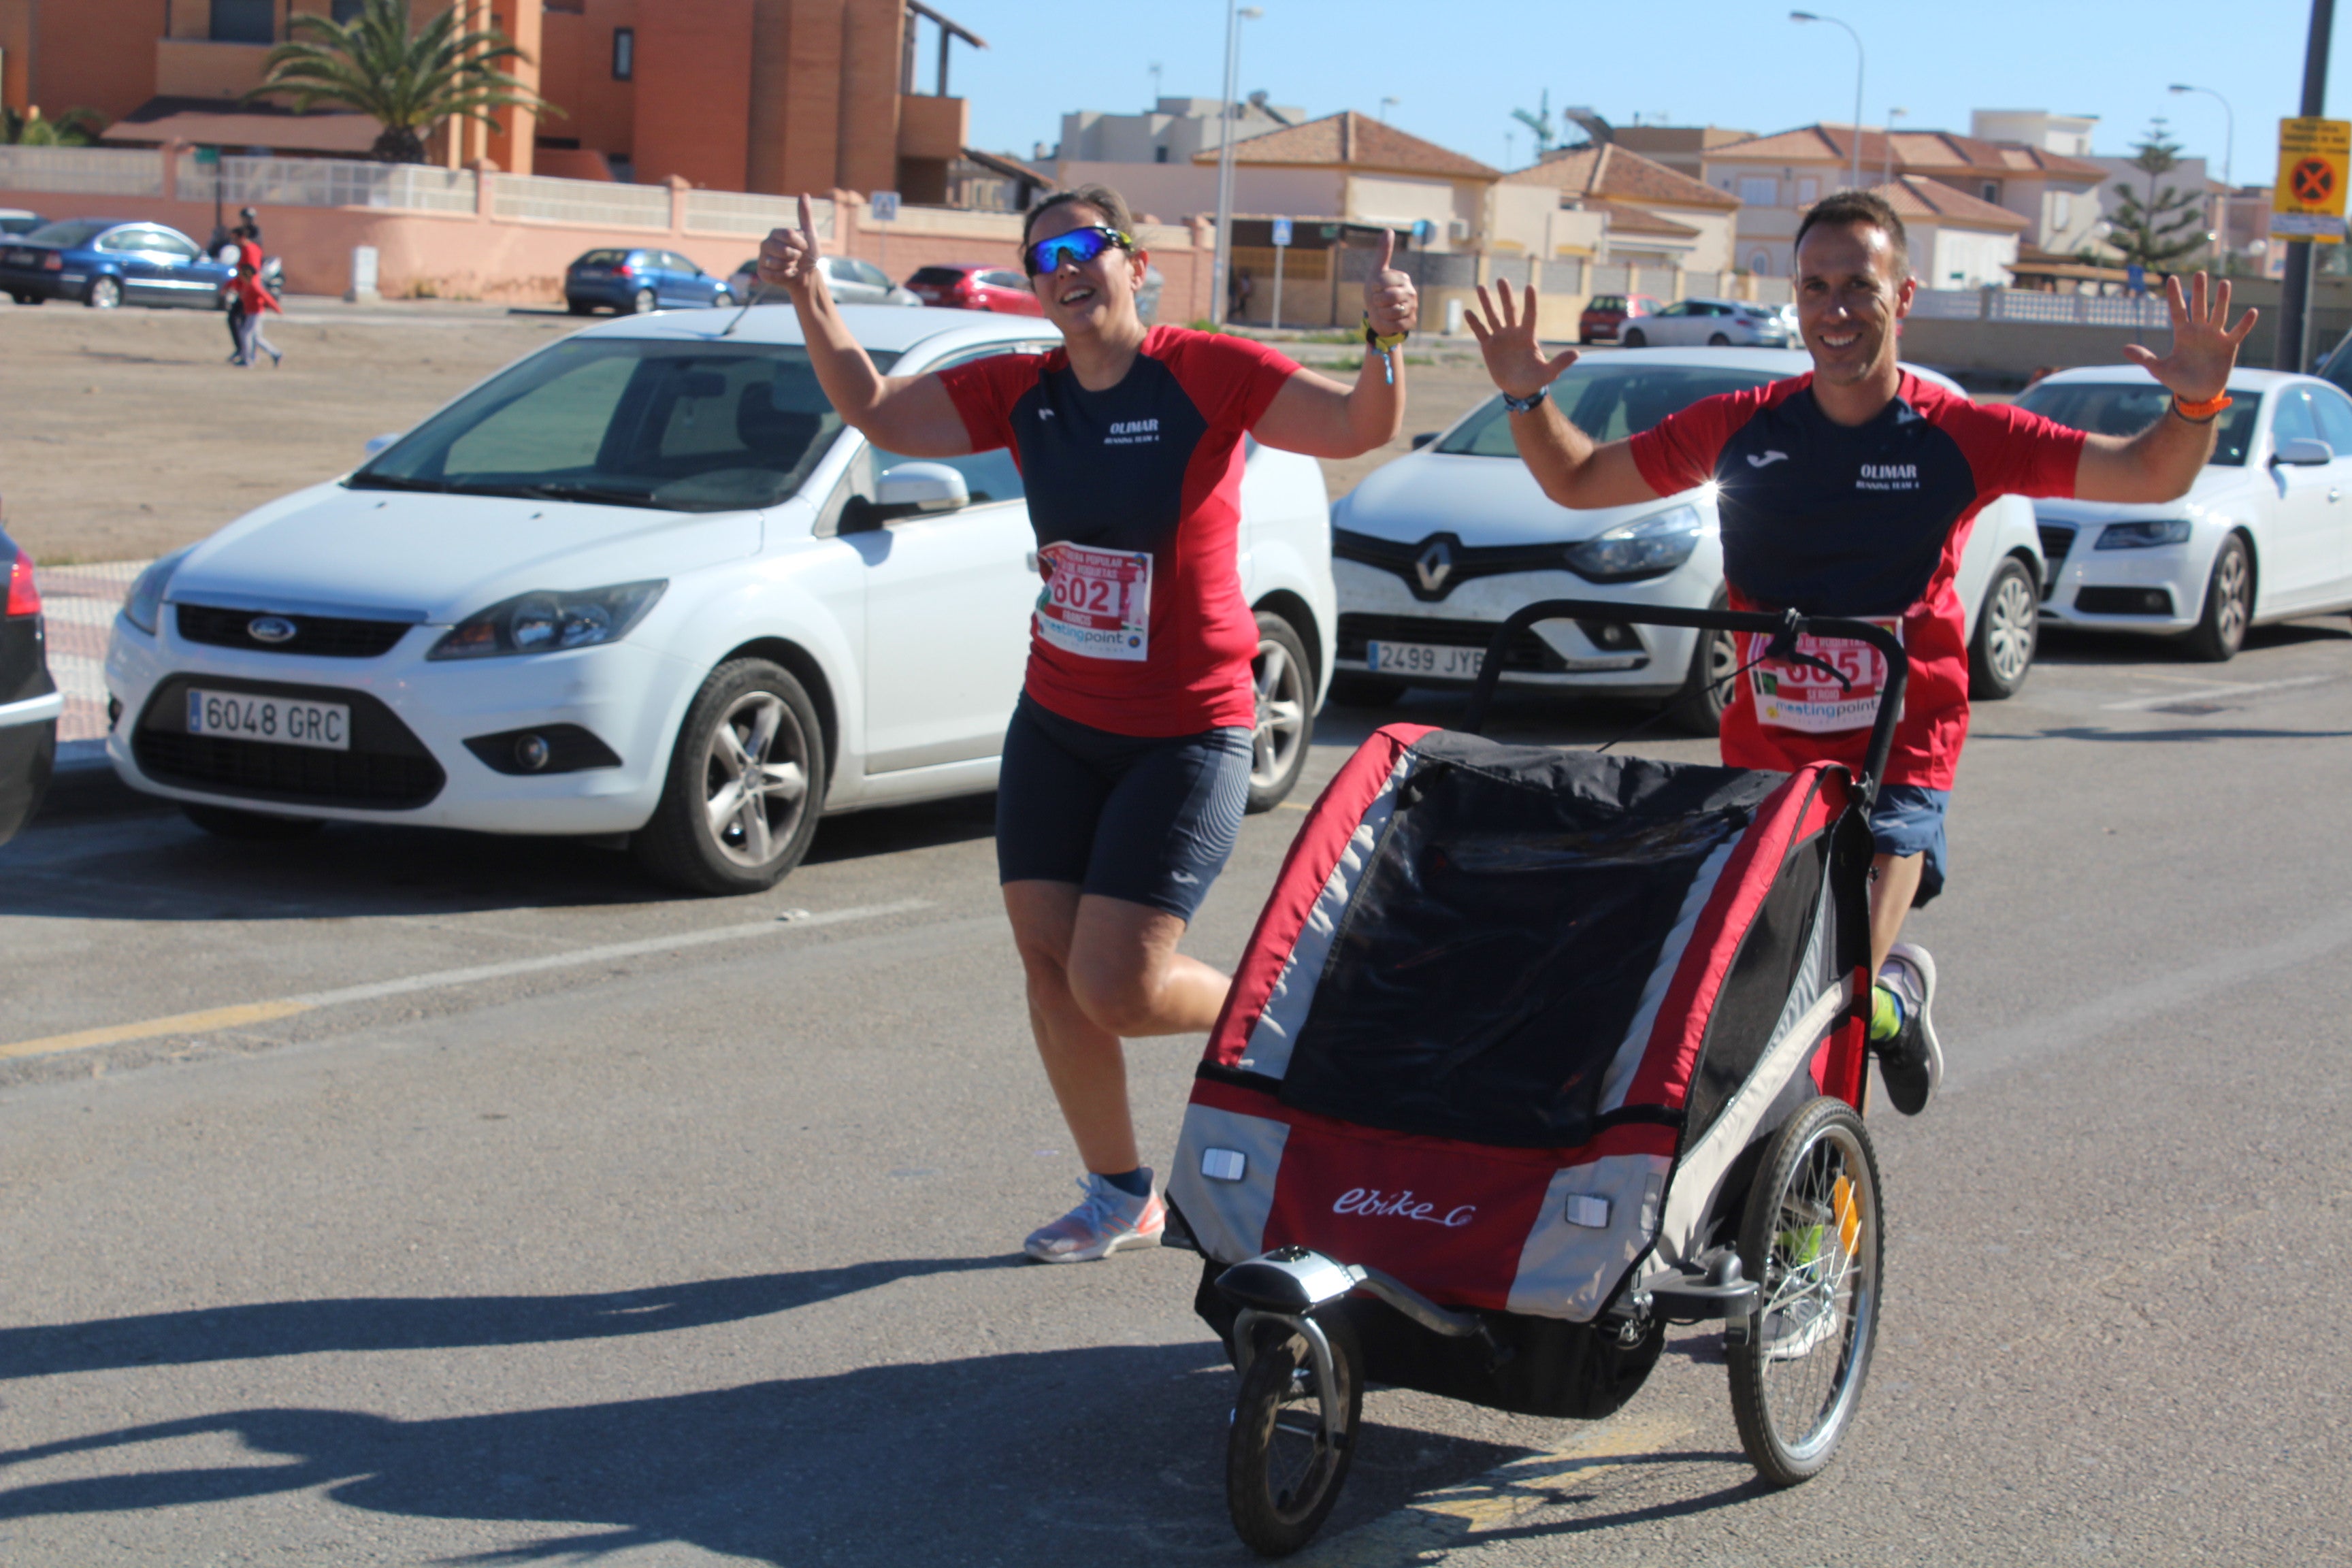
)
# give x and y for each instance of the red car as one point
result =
(1605, 315)
(969, 286)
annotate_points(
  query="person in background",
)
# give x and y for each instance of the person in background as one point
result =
(256, 301)
(223, 248)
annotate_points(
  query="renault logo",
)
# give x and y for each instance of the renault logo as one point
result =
(1433, 566)
(270, 629)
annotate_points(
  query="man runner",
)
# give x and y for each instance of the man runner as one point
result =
(1127, 764)
(1850, 491)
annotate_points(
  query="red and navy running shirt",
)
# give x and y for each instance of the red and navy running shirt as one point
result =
(1863, 520)
(1135, 494)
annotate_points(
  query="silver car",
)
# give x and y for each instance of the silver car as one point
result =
(1713, 323)
(852, 283)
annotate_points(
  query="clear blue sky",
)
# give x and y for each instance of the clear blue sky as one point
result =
(1459, 66)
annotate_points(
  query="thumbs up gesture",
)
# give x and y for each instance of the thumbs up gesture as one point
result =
(1390, 297)
(788, 257)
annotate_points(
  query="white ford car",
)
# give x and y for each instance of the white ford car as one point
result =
(2264, 535)
(644, 582)
(1435, 549)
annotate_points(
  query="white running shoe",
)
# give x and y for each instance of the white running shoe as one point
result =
(1912, 1063)
(1108, 1221)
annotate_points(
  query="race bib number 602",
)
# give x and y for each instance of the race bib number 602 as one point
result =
(1792, 696)
(1096, 604)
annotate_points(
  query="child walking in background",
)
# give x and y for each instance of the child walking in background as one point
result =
(253, 300)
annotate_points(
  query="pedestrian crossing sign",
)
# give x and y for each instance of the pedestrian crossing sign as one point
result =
(2314, 165)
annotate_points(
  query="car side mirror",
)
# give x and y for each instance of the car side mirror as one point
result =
(921, 486)
(378, 443)
(1424, 439)
(2302, 452)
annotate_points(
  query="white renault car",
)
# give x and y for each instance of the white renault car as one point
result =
(1434, 550)
(2264, 535)
(644, 582)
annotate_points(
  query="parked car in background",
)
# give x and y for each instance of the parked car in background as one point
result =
(2337, 366)
(852, 282)
(1712, 323)
(104, 262)
(2264, 535)
(1432, 552)
(1605, 316)
(29, 701)
(636, 281)
(16, 220)
(644, 582)
(970, 286)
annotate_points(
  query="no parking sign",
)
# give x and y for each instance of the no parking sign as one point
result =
(2307, 202)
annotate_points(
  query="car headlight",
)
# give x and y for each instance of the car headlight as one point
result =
(1647, 547)
(549, 622)
(2144, 535)
(144, 605)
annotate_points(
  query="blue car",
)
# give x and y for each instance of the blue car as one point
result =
(109, 261)
(636, 281)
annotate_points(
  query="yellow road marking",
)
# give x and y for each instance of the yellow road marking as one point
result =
(1454, 1516)
(179, 1024)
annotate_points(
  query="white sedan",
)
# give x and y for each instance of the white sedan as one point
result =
(1434, 550)
(1714, 323)
(2264, 535)
(643, 581)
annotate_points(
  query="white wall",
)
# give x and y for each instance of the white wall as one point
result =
(1398, 200)
(1962, 258)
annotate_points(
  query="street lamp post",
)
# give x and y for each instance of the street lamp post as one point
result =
(1222, 272)
(1810, 17)
(1887, 165)
(2229, 155)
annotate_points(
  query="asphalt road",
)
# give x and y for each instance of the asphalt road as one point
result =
(472, 1203)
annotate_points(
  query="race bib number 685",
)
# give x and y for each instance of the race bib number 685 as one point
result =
(1792, 696)
(1096, 604)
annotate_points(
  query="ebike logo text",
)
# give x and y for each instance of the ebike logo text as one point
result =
(1401, 1205)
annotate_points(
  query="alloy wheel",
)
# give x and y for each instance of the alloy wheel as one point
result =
(755, 775)
(2234, 585)
(2010, 630)
(1282, 699)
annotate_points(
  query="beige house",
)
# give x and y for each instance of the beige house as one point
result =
(1653, 215)
(1776, 177)
(1958, 241)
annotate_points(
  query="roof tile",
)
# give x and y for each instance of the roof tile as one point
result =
(1350, 140)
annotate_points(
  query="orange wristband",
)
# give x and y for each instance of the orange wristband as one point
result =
(2199, 413)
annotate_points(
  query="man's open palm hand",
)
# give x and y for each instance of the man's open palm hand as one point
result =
(2204, 346)
(1506, 330)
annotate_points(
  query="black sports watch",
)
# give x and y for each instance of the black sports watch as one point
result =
(1529, 404)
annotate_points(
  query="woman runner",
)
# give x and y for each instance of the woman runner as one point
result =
(1127, 764)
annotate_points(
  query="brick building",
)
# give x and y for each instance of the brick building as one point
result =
(775, 96)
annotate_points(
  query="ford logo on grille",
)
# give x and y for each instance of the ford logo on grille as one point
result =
(270, 629)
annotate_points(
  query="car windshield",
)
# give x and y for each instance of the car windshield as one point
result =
(68, 233)
(603, 258)
(937, 275)
(1606, 401)
(2129, 407)
(682, 427)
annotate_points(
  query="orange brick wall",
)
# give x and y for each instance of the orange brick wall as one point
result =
(868, 90)
(694, 94)
(94, 54)
(576, 76)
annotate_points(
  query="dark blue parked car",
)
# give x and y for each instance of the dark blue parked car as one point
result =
(29, 702)
(638, 281)
(109, 261)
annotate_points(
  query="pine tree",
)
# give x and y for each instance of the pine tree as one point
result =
(2159, 227)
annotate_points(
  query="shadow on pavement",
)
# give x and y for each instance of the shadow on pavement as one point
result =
(1110, 1454)
(262, 1329)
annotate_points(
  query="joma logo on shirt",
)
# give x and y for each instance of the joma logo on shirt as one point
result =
(1888, 477)
(1132, 432)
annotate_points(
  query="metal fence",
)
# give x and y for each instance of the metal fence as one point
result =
(2035, 305)
(736, 212)
(587, 204)
(329, 182)
(97, 171)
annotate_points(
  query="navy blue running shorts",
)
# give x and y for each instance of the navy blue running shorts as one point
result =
(1146, 818)
(1909, 819)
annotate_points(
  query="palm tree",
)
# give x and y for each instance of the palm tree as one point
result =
(74, 128)
(409, 78)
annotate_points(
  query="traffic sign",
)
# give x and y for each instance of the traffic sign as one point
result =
(1281, 231)
(2313, 168)
(886, 206)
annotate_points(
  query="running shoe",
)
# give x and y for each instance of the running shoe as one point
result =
(1912, 1063)
(1794, 1329)
(1108, 1221)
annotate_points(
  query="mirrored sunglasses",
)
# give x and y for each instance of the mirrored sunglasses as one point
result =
(1080, 246)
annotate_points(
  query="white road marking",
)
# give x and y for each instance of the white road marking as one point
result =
(2214, 689)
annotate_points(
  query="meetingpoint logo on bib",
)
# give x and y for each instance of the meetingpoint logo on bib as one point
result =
(1096, 604)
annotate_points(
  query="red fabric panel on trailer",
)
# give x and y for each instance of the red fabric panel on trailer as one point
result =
(1805, 805)
(1305, 869)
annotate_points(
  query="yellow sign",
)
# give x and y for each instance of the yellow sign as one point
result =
(2314, 167)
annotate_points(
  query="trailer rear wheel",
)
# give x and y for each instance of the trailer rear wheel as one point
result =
(1283, 1471)
(1812, 1240)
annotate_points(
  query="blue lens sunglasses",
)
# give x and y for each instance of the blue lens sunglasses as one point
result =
(1079, 245)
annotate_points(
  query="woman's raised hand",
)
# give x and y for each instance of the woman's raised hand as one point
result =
(788, 257)
(1390, 299)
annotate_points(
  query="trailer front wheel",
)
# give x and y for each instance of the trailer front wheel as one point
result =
(1283, 1467)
